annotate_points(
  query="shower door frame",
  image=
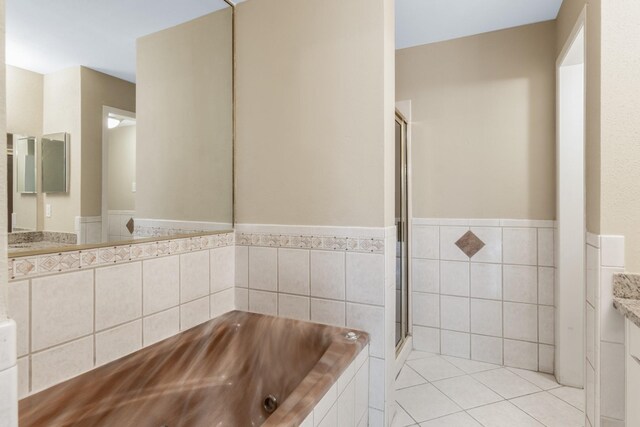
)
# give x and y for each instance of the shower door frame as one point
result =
(406, 326)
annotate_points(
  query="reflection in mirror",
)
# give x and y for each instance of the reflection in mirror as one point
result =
(21, 183)
(54, 163)
(25, 161)
(144, 121)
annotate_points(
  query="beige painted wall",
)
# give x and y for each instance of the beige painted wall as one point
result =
(567, 18)
(24, 117)
(313, 124)
(613, 128)
(24, 101)
(620, 126)
(483, 124)
(185, 124)
(122, 168)
(3, 172)
(61, 113)
(98, 90)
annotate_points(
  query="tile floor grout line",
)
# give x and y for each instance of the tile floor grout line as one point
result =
(566, 401)
(407, 412)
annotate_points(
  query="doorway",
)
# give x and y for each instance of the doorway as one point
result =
(402, 228)
(118, 174)
(571, 211)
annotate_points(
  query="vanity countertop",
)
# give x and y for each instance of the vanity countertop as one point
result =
(16, 248)
(626, 296)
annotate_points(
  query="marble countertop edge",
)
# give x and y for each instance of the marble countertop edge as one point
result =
(630, 308)
(626, 296)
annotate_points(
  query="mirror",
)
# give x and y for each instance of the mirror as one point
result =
(55, 163)
(131, 136)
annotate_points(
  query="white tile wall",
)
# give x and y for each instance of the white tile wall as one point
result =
(605, 368)
(500, 301)
(59, 363)
(118, 294)
(119, 341)
(18, 310)
(61, 310)
(263, 269)
(222, 268)
(160, 284)
(294, 307)
(8, 374)
(328, 311)
(322, 281)
(194, 313)
(365, 278)
(486, 281)
(328, 274)
(194, 275)
(454, 278)
(346, 403)
(293, 271)
(70, 322)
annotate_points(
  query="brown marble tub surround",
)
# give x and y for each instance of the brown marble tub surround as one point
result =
(626, 296)
(217, 373)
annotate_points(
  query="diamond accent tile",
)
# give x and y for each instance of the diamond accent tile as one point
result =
(107, 255)
(70, 261)
(23, 267)
(123, 253)
(137, 251)
(130, 226)
(470, 244)
(163, 248)
(49, 263)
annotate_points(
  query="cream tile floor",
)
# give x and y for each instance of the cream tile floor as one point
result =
(444, 391)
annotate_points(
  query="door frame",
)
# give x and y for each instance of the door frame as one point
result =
(563, 364)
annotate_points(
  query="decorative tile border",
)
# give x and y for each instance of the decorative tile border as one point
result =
(143, 227)
(329, 243)
(465, 222)
(40, 265)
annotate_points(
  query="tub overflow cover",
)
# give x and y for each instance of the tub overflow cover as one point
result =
(270, 403)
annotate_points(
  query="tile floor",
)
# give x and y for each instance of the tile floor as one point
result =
(444, 391)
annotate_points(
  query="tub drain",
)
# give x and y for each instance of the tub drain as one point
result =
(270, 403)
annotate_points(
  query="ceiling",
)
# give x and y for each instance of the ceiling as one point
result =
(47, 35)
(429, 21)
(50, 35)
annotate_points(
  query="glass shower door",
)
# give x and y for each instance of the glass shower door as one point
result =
(401, 212)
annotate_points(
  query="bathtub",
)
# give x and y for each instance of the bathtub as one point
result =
(240, 369)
